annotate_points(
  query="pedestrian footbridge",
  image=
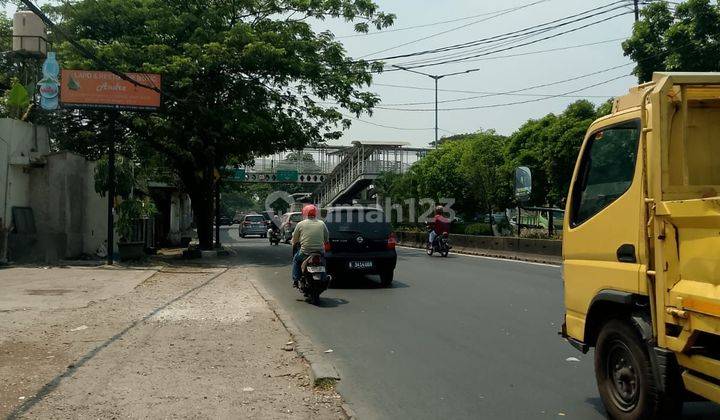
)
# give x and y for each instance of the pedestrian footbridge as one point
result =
(362, 163)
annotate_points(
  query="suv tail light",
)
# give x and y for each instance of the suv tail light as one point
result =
(392, 241)
(327, 247)
(246, 223)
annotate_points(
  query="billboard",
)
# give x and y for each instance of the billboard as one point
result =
(523, 183)
(105, 90)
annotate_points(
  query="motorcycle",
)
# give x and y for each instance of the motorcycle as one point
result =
(273, 236)
(441, 245)
(314, 279)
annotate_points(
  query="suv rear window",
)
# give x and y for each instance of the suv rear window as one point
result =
(364, 221)
(254, 218)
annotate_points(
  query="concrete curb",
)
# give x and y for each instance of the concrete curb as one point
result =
(321, 369)
(540, 259)
(349, 412)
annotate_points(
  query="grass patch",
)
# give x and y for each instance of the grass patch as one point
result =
(325, 384)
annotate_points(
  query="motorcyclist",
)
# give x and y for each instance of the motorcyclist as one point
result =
(275, 223)
(309, 236)
(438, 225)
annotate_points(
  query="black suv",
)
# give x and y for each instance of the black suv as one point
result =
(361, 241)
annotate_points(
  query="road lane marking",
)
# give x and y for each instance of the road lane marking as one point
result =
(488, 258)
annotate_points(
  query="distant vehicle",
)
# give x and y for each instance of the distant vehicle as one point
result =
(225, 221)
(288, 223)
(253, 224)
(497, 218)
(361, 241)
(268, 215)
(239, 217)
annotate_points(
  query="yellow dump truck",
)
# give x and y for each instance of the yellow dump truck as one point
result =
(641, 247)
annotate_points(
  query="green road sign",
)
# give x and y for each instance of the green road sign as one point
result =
(239, 175)
(287, 176)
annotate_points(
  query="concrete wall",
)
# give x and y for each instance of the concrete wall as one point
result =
(21, 145)
(69, 215)
(547, 247)
(95, 215)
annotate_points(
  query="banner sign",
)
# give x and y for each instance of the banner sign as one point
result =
(49, 86)
(105, 90)
(523, 183)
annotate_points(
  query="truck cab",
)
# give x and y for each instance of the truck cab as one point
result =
(641, 247)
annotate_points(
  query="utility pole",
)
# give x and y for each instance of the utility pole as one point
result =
(435, 77)
(637, 10)
(111, 190)
(217, 215)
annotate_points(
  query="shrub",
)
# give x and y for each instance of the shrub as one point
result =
(478, 229)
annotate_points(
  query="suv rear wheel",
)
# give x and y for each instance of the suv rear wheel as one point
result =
(386, 278)
(626, 382)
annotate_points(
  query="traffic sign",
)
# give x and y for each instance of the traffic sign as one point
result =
(287, 176)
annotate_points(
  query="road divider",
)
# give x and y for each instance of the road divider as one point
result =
(548, 251)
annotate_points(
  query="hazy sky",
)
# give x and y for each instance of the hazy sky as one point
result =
(496, 74)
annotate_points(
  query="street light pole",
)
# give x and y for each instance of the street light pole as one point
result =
(436, 110)
(435, 77)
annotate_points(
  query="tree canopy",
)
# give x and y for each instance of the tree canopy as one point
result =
(476, 169)
(687, 39)
(241, 78)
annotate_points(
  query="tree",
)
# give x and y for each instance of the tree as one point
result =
(688, 40)
(483, 165)
(240, 78)
(549, 146)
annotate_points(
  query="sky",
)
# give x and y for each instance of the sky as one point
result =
(495, 73)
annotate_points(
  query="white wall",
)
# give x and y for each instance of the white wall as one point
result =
(95, 221)
(25, 144)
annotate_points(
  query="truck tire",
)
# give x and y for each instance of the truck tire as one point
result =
(626, 381)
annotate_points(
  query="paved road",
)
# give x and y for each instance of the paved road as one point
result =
(461, 337)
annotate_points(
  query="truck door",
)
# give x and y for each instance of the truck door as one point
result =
(604, 224)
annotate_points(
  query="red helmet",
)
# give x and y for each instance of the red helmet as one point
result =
(309, 211)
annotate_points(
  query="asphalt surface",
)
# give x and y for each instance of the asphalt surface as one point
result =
(456, 337)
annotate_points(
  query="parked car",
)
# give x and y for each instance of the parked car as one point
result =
(253, 224)
(361, 241)
(288, 223)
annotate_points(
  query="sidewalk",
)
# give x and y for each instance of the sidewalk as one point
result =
(182, 342)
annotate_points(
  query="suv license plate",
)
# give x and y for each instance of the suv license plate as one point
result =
(359, 265)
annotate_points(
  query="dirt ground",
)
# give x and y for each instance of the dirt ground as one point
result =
(188, 342)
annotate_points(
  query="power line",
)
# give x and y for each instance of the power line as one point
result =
(521, 32)
(393, 127)
(407, 28)
(516, 46)
(510, 92)
(507, 103)
(453, 29)
(570, 47)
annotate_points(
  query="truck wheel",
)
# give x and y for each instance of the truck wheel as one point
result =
(386, 278)
(626, 382)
